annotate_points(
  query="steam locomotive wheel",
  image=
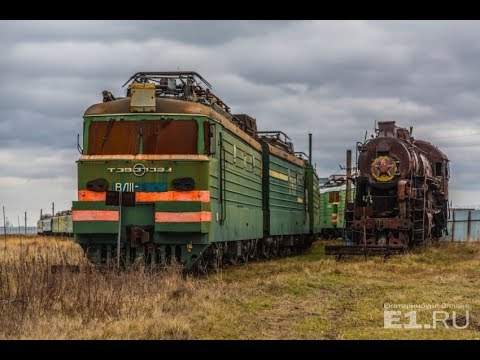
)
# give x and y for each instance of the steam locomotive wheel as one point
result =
(401, 240)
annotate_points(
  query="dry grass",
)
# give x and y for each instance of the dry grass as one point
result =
(303, 297)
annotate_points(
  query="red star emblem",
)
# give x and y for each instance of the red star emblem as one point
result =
(384, 167)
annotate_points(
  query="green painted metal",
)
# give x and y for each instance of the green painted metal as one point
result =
(95, 227)
(55, 225)
(238, 217)
(327, 208)
(39, 226)
(95, 169)
(92, 205)
(68, 224)
(284, 200)
(313, 199)
(236, 174)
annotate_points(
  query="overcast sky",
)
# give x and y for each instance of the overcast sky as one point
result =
(333, 78)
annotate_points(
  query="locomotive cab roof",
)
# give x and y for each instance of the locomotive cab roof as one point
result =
(179, 92)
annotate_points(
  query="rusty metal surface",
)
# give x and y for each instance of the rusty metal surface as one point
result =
(434, 153)
(170, 137)
(144, 157)
(247, 123)
(113, 137)
(361, 211)
(402, 204)
(142, 97)
(408, 205)
(384, 145)
(417, 156)
(380, 250)
(157, 136)
(172, 106)
(382, 224)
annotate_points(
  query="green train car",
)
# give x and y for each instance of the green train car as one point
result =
(59, 225)
(170, 173)
(332, 206)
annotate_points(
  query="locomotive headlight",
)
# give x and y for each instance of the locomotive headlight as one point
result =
(383, 168)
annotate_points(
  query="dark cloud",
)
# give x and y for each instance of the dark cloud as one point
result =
(201, 32)
(331, 78)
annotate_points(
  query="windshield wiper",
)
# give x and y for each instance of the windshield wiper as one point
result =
(163, 126)
(107, 131)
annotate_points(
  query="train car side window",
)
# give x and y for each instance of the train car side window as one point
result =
(241, 161)
(209, 138)
(213, 136)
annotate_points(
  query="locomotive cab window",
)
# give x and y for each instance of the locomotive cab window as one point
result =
(438, 169)
(334, 197)
(113, 137)
(166, 136)
(170, 137)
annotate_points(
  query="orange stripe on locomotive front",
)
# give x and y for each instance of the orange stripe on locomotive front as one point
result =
(176, 217)
(194, 195)
(94, 215)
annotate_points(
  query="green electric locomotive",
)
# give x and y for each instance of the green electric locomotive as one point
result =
(332, 206)
(168, 172)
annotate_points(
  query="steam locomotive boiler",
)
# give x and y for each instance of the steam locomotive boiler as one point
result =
(401, 195)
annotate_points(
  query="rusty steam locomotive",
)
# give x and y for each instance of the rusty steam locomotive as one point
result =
(401, 194)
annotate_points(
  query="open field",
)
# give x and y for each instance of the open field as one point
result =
(302, 297)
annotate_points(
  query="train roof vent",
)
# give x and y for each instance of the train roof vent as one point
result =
(142, 97)
(278, 139)
(246, 123)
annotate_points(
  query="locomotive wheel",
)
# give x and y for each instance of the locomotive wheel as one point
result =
(202, 265)
(253, 249)
(245, 254)
(216, 260)
(232, 260)
(266, 254)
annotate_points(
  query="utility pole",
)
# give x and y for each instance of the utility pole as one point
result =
(119, 228)
(5, 234)
(25, 223)
(18, 219)
(53, 208)
(310, 148)
(349, 177)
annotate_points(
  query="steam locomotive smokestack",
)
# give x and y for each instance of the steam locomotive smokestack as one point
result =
(349, 176)
(310, 148)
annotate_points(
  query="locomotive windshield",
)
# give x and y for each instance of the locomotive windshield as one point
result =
(166, 136)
